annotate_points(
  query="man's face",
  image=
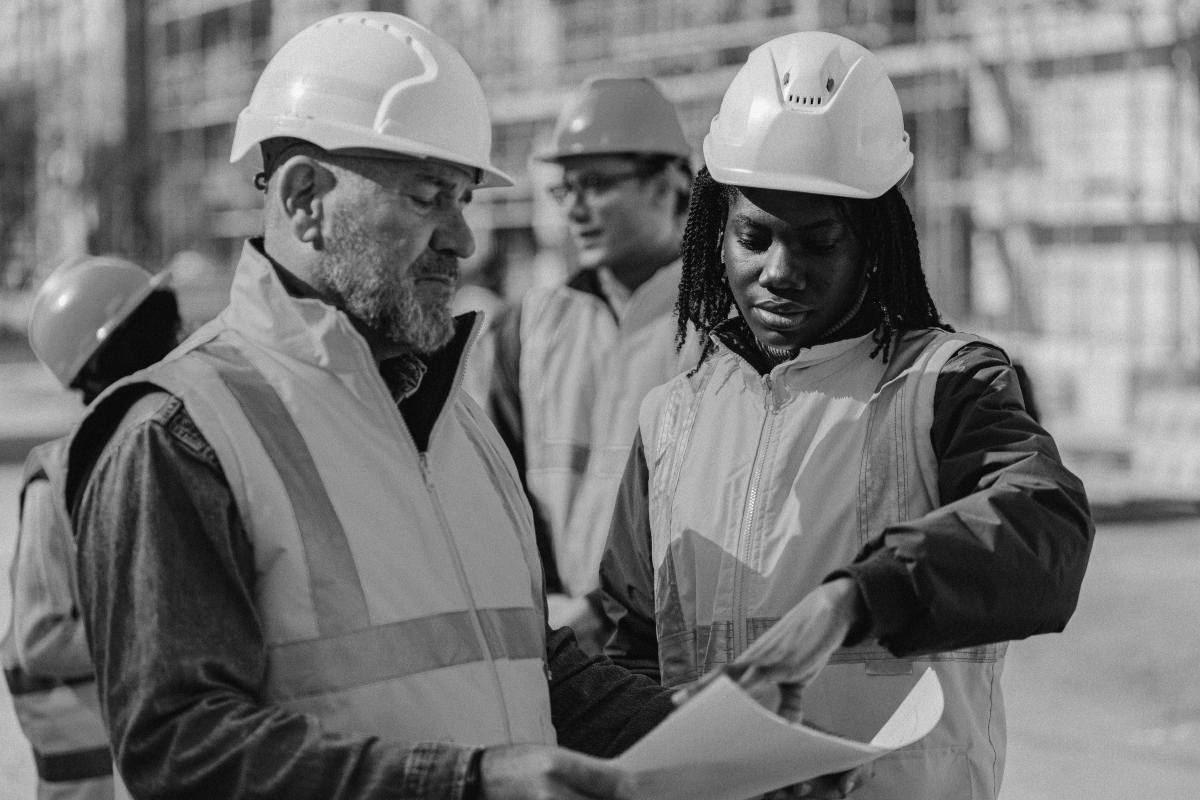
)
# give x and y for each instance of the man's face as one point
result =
(614, 214)
(392, 238)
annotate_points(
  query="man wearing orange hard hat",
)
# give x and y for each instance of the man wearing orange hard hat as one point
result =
(95, 320)
(573, 362)
(310, 568)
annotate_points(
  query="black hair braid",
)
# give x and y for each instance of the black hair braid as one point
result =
(704, 295)
(899, 292)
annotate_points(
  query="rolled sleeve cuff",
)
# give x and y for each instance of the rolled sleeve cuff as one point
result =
(441, 771)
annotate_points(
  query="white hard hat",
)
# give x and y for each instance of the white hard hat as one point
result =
(80, 305)
(372, 80)
(617, 116)
(810, 112)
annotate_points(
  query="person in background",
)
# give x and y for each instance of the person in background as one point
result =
(94, 321)
(842, 492)
(308, 570)
(572, 363)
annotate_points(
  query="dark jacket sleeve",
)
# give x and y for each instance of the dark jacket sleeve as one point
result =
(167, 581)
(1004, 555)
(597, 707)
(627, 572)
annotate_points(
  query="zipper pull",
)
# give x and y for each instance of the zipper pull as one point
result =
(772, 402)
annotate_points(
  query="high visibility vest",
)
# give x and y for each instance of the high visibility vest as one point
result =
(60, 717)
(761, 486)
(583, 375)
(399, 591)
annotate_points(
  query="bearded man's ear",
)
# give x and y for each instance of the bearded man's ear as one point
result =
(303, 184)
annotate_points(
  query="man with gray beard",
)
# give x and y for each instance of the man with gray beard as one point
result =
(307, 567)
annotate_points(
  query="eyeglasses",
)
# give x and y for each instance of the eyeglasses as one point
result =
(590, 184)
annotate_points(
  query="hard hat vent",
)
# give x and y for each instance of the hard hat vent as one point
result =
(806, 89)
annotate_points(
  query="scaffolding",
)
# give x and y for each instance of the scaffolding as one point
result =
(1084, 235)
(1056, 188)
(206, 56)
(64, 113)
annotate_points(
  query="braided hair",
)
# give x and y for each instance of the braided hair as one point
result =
(897, 294)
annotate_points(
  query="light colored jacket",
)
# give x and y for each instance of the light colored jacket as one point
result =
(45, 654)
(399, 591)
(583, 374)
(760, 486)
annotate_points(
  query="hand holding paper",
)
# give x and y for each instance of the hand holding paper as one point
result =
(776, 668)
(722, 745)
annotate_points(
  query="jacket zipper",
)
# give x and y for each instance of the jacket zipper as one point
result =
(741, 565)
(444, 523)
(466, 588)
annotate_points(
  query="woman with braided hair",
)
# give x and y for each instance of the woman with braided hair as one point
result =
(844, 491)
(894, 299)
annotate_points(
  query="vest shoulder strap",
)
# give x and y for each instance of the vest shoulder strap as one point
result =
(44, 462)
(248, 425)
(667, 417)
(898, 478)
(41, 459)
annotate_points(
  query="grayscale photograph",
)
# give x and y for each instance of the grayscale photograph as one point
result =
(599, 399)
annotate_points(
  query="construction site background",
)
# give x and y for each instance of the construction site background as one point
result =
(1056, 187)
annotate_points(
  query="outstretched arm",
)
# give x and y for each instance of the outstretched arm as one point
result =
(1004, 556)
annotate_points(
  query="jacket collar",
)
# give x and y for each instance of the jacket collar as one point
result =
(735, 335)
(304, 326)
(648, 302)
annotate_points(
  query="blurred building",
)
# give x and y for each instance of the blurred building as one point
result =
(74, 125)
(1056, 188)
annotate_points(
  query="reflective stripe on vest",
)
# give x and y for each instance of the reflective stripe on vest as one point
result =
(349, 647)
(73, 765)
(385, 609)
(697, 580)
(400, 649)
(61, 718)
(338, 600)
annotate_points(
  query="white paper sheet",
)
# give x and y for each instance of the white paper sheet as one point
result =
(722, 745)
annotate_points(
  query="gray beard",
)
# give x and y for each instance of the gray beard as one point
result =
(364, 285)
